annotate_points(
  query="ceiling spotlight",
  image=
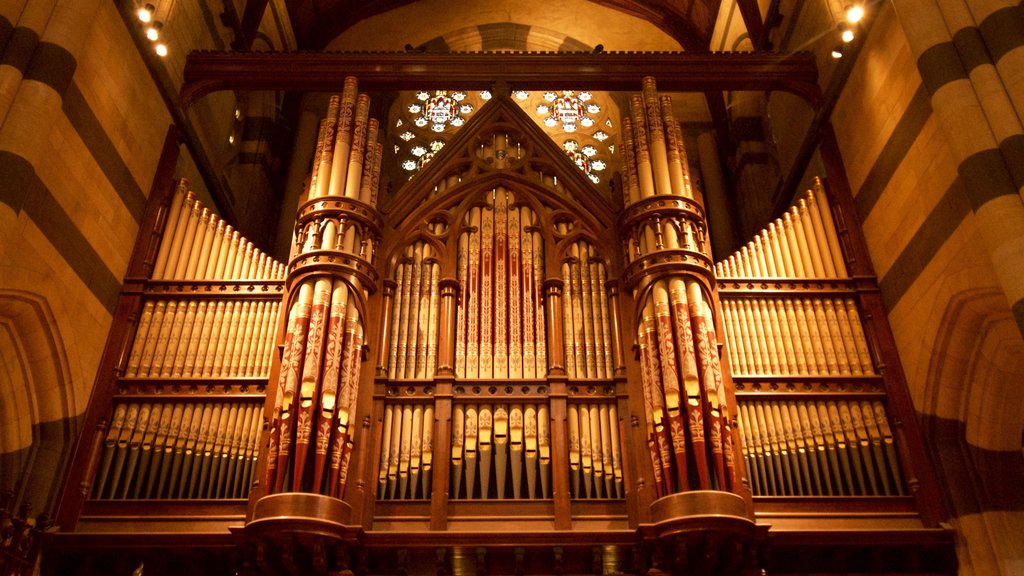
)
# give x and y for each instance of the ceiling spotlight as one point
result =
(145, 13)
(161, 49)
(837, 52)
(846, 32)
(854, 13)
(153, 31)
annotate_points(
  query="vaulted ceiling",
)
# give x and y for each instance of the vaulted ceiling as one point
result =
(317, 22)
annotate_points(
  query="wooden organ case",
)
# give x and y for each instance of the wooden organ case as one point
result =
(500, 369)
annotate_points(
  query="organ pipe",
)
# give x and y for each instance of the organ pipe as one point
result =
(499, 326)
(686, 399)
(317, 391)
(197, 245)
(821, 448)
(146, 442)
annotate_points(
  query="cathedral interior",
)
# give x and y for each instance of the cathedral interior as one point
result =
(341, 287)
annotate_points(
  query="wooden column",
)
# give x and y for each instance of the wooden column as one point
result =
(553, 288)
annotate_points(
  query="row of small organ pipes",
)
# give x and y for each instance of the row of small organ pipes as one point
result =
(198, 245)
(318, 385)
(413, 342)
(586, 318)
(595, 454)
(801, 244)
(688, 425)
(785, 336)
(407, 452)
(179, 450)
(500, 451)
(203, 339)
(512, 440)
(500, 330)
(819, 448)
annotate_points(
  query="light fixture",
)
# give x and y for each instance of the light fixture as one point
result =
(854, 13)
(846, 32)
(161, 49)
(837, 52)
(145, 13)
(231, 139)
(153, 31)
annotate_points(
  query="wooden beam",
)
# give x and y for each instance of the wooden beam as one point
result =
(207, 72)
(751, 13)
(254, 10)
(720, 119)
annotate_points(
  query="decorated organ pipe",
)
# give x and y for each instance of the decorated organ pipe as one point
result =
(586, 323)
(687, 396)
(331, 274)
(415, 314)
(499, 322)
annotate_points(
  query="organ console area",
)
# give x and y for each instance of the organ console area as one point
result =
(498, 367)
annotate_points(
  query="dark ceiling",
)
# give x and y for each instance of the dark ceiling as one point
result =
(317, 22)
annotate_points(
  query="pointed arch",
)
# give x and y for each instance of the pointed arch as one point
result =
(37, 427)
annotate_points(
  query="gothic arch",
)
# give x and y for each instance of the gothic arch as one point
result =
(37, 399)
(974, 370)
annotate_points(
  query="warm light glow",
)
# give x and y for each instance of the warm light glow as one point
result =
(153, 31)
(854, 14)
(146, 13)
(231, 139)
(837, 52)
(161, 49)
(847, 36)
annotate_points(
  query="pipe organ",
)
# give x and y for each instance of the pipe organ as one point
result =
(500, 368)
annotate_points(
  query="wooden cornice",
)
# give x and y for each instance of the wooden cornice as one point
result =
(207, 72)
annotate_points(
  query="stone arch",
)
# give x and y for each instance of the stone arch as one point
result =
(973, 414)
(37, 428)
(975, 370)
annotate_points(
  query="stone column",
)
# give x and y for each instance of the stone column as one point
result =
(981, 129)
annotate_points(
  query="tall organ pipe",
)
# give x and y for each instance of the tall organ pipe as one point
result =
(318, 389)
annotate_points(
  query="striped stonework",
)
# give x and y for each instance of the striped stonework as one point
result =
(930, 134)
(981, 124)
(79, 144)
